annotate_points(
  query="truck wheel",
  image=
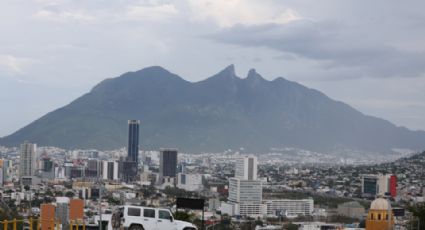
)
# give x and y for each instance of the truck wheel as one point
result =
(136, 227)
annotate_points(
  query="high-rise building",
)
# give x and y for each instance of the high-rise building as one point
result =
(369, 185)
(167, 164)
(133, 140)
(47, 165)
(7, 170)
(93, 169)
(245, 190)
(47, 170)
(246, 196)
(246, 168)
(5, 166)
(129, 166)
(380, 184)
(110, 170)
(27, 161)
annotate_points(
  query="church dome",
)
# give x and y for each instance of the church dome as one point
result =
(380, 204)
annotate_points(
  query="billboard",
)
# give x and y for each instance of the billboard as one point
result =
(196, 204)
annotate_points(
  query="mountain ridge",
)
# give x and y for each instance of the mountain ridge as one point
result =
(220, 112)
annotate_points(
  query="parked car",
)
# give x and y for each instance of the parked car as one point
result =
(146, 218)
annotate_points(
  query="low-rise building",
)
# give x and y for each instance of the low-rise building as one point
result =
(304, 207)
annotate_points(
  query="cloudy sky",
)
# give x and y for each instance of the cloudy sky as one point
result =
(369, 54)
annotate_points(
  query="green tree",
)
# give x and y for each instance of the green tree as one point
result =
(184, 216)
(418, 211)
(58, 193)
(49, 193)
(69, 194)
(291, 226)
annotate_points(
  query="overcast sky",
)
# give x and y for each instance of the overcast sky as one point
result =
(369, 54)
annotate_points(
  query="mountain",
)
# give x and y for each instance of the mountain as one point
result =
(219, 113)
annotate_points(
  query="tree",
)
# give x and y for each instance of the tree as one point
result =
(70, 194)
(148, 191)
(258, 222)
(291, 226)
(49, 193)
(58, 193)
(419, 212)
(184, 216)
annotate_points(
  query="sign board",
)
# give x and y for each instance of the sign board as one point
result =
(398, 212)
(196, 204)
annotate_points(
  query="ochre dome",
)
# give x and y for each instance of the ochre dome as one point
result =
(380, 204)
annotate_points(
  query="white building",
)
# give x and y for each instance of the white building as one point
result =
(246, 168)
(109, 170)
(304, 207)
(318, 226)
(245, 190)
(27, 161)
(384, 184)
(189, 182)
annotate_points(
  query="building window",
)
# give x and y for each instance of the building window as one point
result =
(371, 216)
(379, 216)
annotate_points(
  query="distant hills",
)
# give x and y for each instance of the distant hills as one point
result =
(219, 113)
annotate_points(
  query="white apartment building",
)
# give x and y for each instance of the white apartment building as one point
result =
(27, 161)
(245, 190)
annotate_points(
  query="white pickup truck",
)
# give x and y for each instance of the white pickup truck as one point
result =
(147, 218)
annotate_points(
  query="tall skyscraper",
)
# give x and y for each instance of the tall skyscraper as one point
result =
(133, 140)
(245, 190)
(129, 166)
(167, 164)
(27, 161)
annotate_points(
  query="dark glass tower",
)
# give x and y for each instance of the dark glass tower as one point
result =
(129, 165)
(133, 141)
(167, 163)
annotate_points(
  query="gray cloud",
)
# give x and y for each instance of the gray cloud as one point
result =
(334, 46)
